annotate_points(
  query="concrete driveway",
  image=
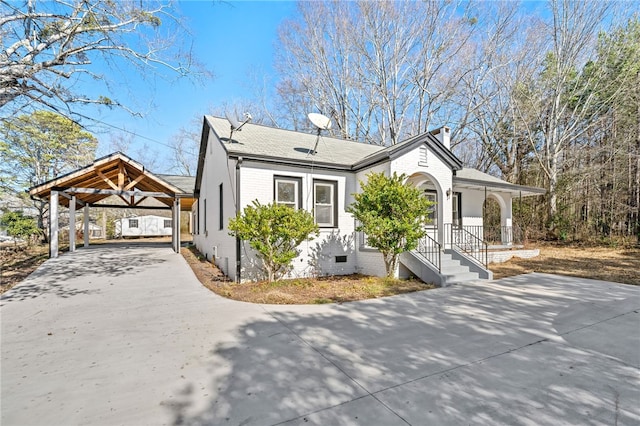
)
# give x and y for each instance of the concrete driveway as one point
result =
(125, 335)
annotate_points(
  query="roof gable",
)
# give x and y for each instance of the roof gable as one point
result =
(113, 172)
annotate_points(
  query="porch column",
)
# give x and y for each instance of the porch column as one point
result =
(72, 224)
(507, 222)
(86, 225)
(53, 224)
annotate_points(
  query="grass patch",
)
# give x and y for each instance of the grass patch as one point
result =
(621, 265)
(297, 291)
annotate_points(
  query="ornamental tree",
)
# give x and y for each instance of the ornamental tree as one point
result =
(18, 225)
(274, 231)
(392, 214)
(40, 146)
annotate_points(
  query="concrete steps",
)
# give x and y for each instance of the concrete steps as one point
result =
(452, 271)
(455, 272)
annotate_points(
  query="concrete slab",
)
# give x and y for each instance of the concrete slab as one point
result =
(127, 335)
(541, 384)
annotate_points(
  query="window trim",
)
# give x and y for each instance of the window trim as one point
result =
(165, 223)
(298, 182)
(457, 196)
(334, 185)
(137, 222)
(434, 223)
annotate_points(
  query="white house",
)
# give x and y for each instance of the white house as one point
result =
(267, 164)
(143, 226)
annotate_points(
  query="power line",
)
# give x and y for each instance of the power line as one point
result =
(124, 130)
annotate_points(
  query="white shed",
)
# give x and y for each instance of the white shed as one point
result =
(143, 226)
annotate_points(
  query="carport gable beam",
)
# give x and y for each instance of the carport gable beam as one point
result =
(122, 193)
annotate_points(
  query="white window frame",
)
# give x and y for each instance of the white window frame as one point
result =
(137, 222)
(297, 204)
(333, 223)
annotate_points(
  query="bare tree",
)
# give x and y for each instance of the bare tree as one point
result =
(488, 95)
(50, 46)
(381, 70)
(565, 102)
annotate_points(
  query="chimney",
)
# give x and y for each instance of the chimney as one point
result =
(443, 134)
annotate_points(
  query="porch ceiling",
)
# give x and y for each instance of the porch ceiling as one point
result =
(115, 174)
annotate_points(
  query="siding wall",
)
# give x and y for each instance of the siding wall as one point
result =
(148, 226)
(217, 170)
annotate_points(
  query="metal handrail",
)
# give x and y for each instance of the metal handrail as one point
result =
(499, 235)
(431, 250)
(470, 244)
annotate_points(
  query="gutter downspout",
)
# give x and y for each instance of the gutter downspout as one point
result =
(238, 242)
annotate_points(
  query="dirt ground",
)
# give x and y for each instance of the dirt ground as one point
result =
(299, 291)
(621, 265)
(16, 263)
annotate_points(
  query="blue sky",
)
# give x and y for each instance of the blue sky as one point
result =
(235, 40)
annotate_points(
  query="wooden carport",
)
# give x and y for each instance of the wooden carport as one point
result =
(112, 175)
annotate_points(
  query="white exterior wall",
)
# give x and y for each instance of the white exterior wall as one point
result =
(214, 243)
(317, 257)
(472, 206)
(148, 226)
(438, 172)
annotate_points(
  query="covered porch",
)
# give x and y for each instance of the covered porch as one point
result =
(472, 217)
(485, 206)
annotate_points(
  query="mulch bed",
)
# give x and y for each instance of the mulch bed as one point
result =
(343, 288)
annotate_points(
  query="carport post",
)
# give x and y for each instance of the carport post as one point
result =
(53, 224)
(176, 225)
(72, 224)
(85, 223)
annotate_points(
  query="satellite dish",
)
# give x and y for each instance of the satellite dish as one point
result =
(235, 123)
(231, 118)
(320, 121)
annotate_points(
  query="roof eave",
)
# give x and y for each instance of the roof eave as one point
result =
(526, 191)
(289, 161)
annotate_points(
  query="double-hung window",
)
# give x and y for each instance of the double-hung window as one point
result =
(287, 191)
(325, 203)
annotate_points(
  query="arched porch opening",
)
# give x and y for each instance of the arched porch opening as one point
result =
(433, 191)
(496, 219)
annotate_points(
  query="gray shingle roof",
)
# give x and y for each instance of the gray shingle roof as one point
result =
(185, 183)
(256, 140)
